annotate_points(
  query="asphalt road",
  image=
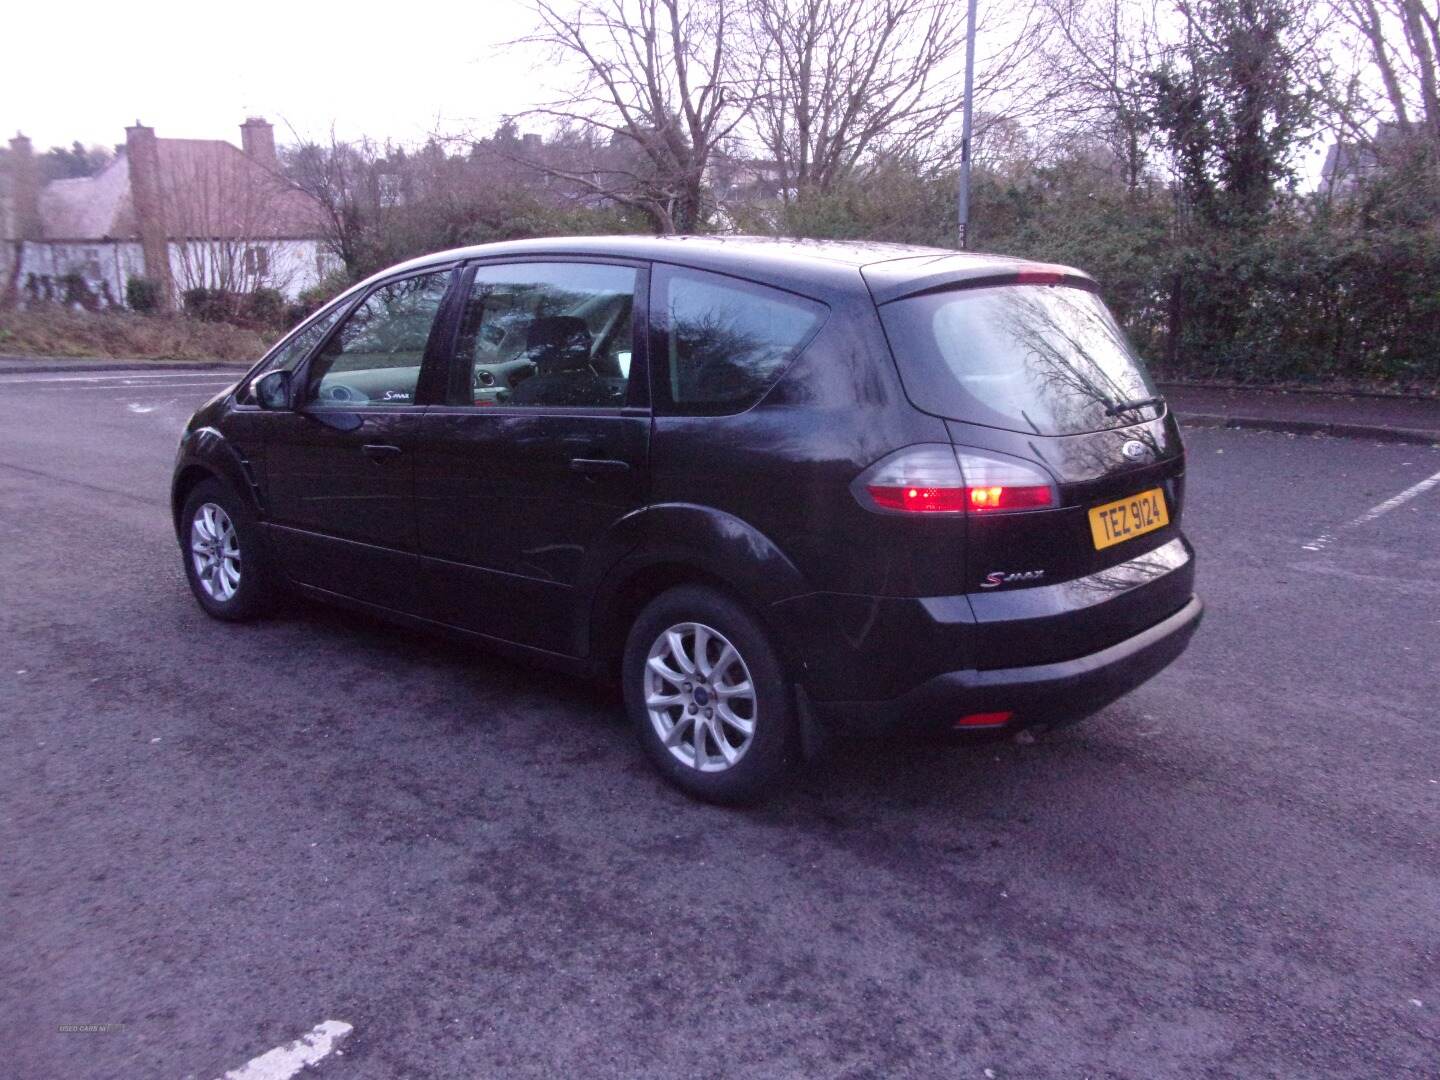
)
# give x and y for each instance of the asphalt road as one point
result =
(218, 837)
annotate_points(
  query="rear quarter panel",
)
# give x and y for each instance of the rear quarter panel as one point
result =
(784, 467)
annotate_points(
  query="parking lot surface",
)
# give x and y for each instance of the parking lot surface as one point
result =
(214, 838)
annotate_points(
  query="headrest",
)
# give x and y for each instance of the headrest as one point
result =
(558, 343)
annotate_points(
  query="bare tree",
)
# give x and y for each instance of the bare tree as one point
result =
(1097, 60)
(836, 81)
(344, 181)
(1403, 41)
(657, 86)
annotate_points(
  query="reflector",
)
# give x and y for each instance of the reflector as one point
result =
(984, 719)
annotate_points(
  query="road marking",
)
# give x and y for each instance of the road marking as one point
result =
(130, 388)
(285, 1061)
(1325, 539)
(28, 380)
(1399, 500)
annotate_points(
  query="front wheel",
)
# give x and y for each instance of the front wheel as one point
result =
(225, 563)
(708, 696)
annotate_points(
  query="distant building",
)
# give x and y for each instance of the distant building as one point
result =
(745, 180)
(1349, 164)
(186, 213)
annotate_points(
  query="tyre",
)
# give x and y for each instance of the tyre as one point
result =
(708, 696)
(225, 560)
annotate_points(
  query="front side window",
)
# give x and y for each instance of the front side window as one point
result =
(727, 341)
(547, 335)
(289, 355)
(375, 356)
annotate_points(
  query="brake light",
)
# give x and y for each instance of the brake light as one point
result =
(919, 500)
(1039, 277)
(936, 479)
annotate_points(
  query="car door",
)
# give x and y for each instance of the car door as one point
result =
(539, 450)
(340, 465)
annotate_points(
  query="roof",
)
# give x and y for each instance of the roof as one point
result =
(208, 189)
(87, 207)
(797, 264)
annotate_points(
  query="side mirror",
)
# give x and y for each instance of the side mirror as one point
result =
(272, 390)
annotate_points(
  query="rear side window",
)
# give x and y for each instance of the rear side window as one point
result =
(1042, 359)
(726, 341)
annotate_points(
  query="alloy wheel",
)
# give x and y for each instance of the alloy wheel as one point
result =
(700, 697)
(215, 551)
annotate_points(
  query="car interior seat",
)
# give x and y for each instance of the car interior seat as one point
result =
(560, 348)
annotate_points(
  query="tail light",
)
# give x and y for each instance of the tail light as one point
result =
(933, 478)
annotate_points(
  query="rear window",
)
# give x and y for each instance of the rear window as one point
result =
(1043, 359)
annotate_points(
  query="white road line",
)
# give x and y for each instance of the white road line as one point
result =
(1325, 539)
(127, 388)
(21, 379)
(285, 1061)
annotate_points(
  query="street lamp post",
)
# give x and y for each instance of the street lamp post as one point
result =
(964, 199)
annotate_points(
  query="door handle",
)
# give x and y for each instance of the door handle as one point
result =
(380, 452)
(598, 466)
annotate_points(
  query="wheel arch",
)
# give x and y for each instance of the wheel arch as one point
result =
(702, 546)
(614, 617)
(205, 454)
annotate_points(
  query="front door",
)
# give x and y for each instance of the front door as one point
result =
(539, 451)
(340, 468)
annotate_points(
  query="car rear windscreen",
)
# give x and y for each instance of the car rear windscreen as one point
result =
(1043, 359)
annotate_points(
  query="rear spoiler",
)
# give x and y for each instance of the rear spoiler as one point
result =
(897, 279)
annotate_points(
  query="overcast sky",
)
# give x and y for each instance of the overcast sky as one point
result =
(85, 70)
(77, 69)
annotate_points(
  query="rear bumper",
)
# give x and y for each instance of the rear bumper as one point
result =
(1045, 694)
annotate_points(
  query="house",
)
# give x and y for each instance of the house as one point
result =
(1349, 164)
(186, 213)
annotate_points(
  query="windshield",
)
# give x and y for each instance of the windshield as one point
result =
(1043, 359)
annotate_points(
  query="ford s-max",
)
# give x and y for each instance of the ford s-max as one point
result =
(778, 489)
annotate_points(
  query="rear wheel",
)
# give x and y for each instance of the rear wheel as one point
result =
(708, 696)
(225, 563)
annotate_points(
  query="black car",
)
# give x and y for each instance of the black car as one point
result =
(780, 489)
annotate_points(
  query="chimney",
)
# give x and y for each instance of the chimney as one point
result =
(531, 141)
(25, 189)
(142, 152)
(257, 137)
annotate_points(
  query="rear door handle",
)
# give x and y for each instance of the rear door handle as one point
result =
(380, 451)
(599, 466)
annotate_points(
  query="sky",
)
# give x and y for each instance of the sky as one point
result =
(85, 70)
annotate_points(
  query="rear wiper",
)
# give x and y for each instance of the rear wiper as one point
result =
(1115, 408)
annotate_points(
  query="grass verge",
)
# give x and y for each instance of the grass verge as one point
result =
(123, 335)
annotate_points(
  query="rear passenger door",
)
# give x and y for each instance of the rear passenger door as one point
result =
(540, 447)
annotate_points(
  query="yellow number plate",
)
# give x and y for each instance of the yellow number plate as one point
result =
(1116, 522)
